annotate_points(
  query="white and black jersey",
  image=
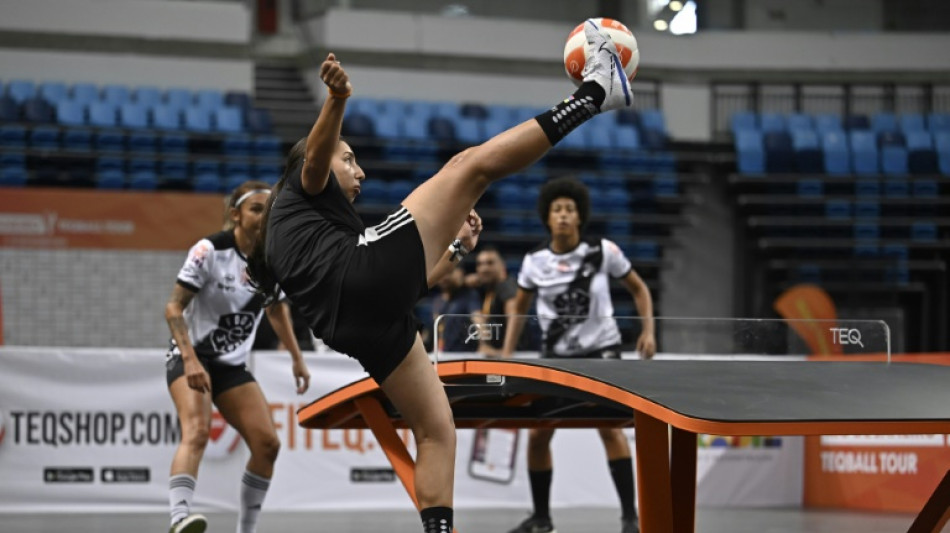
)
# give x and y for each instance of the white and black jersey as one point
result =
(575, 287)
(223, 316)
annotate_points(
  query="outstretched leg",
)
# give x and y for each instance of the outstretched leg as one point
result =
(440, 205)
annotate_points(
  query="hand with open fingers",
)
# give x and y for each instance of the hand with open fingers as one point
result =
(301, 376)
(646, 346)
(333, 75)
(198, 378)
(471, 229)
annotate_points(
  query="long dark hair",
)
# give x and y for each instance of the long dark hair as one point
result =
(257, 270)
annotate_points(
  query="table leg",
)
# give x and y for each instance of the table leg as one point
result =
(936, 511)
(393, 446)
(653, 475)
(683, 476)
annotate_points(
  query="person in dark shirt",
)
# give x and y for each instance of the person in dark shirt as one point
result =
(454, 298)
(497, 292)
(357, 286)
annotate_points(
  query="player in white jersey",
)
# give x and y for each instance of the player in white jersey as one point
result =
(213, 314)
(571, 275)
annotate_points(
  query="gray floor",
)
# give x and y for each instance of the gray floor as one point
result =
(566, 521)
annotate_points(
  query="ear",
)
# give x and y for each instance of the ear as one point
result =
(234, 214)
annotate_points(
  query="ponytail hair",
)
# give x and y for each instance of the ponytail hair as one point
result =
(260, 274)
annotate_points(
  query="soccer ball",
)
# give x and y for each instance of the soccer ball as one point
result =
(576, 45)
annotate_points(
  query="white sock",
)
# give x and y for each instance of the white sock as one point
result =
(181, 489)
(253, 490)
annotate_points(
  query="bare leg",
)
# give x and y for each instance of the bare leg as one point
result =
(615, 443)
(245, 408)
(417, 393)
(441, 204)
(194, 412)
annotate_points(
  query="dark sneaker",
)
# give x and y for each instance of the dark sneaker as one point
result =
(535, 524)
(631, 525)
(193, 523)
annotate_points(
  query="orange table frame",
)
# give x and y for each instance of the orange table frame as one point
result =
(665, 444)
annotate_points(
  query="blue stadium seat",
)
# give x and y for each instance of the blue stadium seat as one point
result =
(84, 93)
(174, 169)
(925, 189)
(373, 192)
(12, 159)
(38, 111)
(653, 119)
(143, 181)
(133, 115)
(398, 190)
(388, 126)
(9, 109)
(923, 231)
(942, 145)
(808, 154)
(166, 117)
(116, 94)
(771, 122)
(627, 138)
(864, 153)
(644, 250)
(416, 127)
(53, 91)
(469, 131)
(912, 122)
(837, 156)
(653, 139)
(209, 100)
(867, 189)
(209, 183)
(420, 108)
(921, 156)
(893, 153)
(228, 120)
(239, 145)
(137, 165)
(110, 140)
(363, 106)
(197, 119)
(178, 98)
(442, 130)
(857, 123)
(236, 167)
(70, 113)
(12, 135)
(238, 99)
(174, 143)
(810, 188)
(267, 145)
(799, 121)
(779, 155)
(473, 110)
(665, 186)
(205, 166)
(883, 121)
(258, 121)
(13, 177)
(741, 120)
(233, 181)
(110, 179)
(630, 117)
(147, 96)
(142, 141)
(896, 189)
(44, 138)
(838, 209)
(603, 137)
(938, 122)
(449, 110)
(867, 209)
(750, 152)
(110, 163)
(392, 106)
(358, 125)
(866, 231)
(21, 90)
(825, 122)
(102, 115)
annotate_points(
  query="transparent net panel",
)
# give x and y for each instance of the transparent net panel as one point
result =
(476, 337)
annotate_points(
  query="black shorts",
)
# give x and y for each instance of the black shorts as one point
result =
(223, 376)
(607, 352)
(383, 282)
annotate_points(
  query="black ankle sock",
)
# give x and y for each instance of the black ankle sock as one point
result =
(436, 520)
(541, 492)
(561, 119)
(622, 472)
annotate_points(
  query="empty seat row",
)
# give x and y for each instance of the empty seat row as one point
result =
(116, 94)
(858, 152)
(879, 122)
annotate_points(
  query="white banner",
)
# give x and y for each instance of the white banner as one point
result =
(95, 430)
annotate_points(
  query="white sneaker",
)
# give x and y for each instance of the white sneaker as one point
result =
(193, 523)
(602, 66)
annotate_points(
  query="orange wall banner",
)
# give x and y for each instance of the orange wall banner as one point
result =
(59, 218)
(884, 473)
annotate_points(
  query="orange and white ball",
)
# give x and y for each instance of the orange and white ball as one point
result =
(575, 50)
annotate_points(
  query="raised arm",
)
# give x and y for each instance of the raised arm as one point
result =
(515, 310)
(646, 344)
(325, 134)
(197, 378)
(278, 314)
(468, 238)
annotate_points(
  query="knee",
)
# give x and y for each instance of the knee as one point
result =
(613, 437)
(194, 434)
(539, 441)
(439, 430)
(266, 448)
(477, 169)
